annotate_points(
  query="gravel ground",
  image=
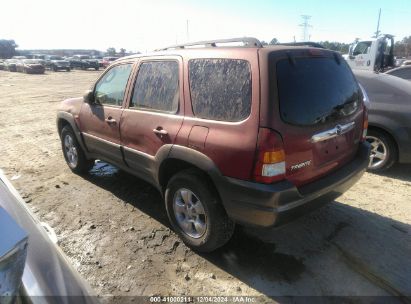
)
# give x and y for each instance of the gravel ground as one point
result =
(114, 229)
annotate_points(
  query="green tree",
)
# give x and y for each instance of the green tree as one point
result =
(123, 52)
(403, 48)
(336, 46)
(111, 51)
(7, 48)
(274, 41)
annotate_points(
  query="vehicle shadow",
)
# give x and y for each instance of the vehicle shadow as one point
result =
(398, 171)
(339, 250)
(129, 189)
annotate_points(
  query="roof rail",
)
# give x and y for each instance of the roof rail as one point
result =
(247, 41)
(306, 43)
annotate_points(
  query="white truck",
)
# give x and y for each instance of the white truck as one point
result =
(376, 54)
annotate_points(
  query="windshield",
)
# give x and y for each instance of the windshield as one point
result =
(56, 58)
(362, 48)
(316, 90)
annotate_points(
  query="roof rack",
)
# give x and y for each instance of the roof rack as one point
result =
(306, 43)
(247, 41)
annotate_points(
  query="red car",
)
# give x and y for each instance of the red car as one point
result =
(247, 135)
(108, 60)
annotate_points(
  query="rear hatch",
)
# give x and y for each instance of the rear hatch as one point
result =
(317, 109)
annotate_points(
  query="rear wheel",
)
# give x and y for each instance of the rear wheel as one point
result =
(383, 151)
(196, 213)
(73, 154)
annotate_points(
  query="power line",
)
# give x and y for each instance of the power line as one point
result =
(305, 25)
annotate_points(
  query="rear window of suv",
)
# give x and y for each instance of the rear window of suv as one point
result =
(220, 88)
(316, 90)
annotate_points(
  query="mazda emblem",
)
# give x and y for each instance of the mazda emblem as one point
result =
(339, 129)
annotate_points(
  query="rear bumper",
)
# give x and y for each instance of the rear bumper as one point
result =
(272, 205)
(60, 67)
(35, 71)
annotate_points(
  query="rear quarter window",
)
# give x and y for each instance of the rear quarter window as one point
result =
(220, 89)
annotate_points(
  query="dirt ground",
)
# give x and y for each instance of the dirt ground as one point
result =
(114, 229)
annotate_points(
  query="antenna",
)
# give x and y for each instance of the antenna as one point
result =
(377, 33)
(188, 36)
(305, 25)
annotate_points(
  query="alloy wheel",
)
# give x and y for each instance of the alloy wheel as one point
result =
(71, 151)
(189, 213)
(379, 152)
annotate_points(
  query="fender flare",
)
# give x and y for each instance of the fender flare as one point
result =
(196, 159)
(69, 118)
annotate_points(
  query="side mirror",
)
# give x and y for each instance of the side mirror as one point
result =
(13, 252)
(89, 97)
(351, 51)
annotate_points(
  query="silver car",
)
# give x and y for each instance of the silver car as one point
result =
(31, 264)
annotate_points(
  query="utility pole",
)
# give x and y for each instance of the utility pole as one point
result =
(305, 25)
(188, 36)
(377, 33)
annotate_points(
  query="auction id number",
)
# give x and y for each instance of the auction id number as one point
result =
(171, 299)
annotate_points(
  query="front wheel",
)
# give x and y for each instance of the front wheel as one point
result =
(73, 153)
(196, 213)
(383, 151)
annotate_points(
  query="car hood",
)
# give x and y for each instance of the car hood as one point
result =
(385, 88)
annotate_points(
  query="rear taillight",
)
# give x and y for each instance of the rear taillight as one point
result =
(365, 125)
(269, 164)
(366, 103)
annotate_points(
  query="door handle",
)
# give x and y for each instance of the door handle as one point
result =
(110, 120)
(160, 131)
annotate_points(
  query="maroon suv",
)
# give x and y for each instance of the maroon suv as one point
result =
(250, 135)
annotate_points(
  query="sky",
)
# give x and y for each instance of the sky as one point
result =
(144, 25)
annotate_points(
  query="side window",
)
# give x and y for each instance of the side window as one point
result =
(220, 88)
(157, 87)
(110, 89)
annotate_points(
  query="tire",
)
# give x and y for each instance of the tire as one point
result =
(54, 68)
(97, 68)
(76, 159)
(217, 228)
(68, 70)
(383, 151)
